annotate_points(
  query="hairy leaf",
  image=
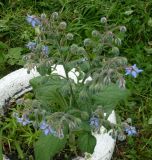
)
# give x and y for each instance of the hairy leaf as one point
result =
(110, 96)
(47, 90)
(14, 56)
(47, 146)
(86, 142)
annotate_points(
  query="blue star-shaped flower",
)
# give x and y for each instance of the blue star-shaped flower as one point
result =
(131, 131)
(23, 120)
(45, 50)
(133, 70)
(94, 122)
(33, 20)
(47, 129)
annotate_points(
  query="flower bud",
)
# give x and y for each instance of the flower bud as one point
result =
(55, 15)
(43, 16)
(37, 30)
(115, 50)
(63, 25)
(87, 42)
(129, 120)
(103, 20)
(150, 22)
(84, 115)
(69, 36)
(121, 137)
(123, 29)
(74, 48)
(81, 50)
(95, 33)
(118, 41)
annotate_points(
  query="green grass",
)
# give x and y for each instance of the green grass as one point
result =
(85, 15)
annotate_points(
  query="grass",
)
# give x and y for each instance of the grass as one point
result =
(85, 15)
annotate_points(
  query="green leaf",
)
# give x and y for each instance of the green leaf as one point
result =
(19, 150)
(3, 45)
(44, 69)
(51, 95)
(110, 96)
(47, 146)
(47, 90)
(39, 81)
(14, 56)
(86, 142)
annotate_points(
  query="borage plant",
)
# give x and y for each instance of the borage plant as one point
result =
(71, 105)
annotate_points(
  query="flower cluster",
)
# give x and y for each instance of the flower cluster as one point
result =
(46, 128)
(32, 46)
(54, 34)
(49, 130)
(24, 120)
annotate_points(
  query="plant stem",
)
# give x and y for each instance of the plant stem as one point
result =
(72, 93)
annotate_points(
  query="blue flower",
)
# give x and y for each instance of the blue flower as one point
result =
(23, 120)
(47, 129)
(130, 130)
(133, 70)
(45, 50)
(94, 122)
(33, 20)
(31, 45)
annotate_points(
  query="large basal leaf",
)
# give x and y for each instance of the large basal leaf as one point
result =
(47, 146)
(86, 142)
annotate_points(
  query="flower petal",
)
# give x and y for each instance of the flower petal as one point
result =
(134, 74)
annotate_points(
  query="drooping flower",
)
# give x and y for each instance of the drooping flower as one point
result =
(47, 129)
(45, 50)
(130, 130)
(33, 20)
(94, 122)
(121, 82)
(133, 71)
(31, 45)
(24, 120)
